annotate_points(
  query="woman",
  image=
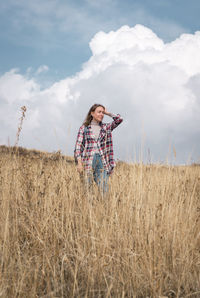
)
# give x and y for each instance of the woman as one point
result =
(94, 149)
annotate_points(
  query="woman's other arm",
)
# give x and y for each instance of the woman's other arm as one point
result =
(79, 147)
(117, 119)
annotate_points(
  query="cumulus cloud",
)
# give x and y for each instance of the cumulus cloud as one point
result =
(14, 87)
(152, 84)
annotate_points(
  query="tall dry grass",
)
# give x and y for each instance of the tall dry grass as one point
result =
(142, 240)
(23, 114)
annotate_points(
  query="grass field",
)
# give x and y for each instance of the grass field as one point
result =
(57, 240)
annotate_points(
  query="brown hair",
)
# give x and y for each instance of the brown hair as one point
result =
(89, 117)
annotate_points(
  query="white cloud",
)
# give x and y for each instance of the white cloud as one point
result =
(41, 69)
(155, 86)
(15, 87)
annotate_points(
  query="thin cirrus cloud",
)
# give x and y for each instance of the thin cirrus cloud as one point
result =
(152, 84)
(52, 18)
(42, 69)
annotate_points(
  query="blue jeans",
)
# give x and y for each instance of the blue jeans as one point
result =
(99, 173)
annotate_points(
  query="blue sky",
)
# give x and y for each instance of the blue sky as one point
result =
(56, 33)
(139, 58)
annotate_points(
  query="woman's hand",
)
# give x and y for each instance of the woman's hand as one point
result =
(80, 166)
(106, 112)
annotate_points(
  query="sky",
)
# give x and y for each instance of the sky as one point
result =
(139, 58)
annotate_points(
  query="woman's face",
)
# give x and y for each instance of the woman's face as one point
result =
(98, 114)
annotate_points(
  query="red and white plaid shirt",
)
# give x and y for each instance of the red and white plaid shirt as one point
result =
(86, 144)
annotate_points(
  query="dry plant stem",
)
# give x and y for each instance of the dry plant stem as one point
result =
(23, 110)
(57, 240)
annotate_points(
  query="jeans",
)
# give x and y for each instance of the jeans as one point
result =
(99, 173)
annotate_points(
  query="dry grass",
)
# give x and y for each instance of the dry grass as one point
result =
(23, 114)
(142, 240)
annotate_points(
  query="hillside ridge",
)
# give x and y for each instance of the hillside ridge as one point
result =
(34, 154)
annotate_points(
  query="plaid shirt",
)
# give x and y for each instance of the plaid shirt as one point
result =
(85, 144)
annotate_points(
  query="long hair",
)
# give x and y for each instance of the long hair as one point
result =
(89, 117)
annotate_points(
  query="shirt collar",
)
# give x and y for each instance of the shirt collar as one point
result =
(93, 122)
(100, 123)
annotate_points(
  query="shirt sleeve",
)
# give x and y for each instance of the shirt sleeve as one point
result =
(80, 143)
(117, 119)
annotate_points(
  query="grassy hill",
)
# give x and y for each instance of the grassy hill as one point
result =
(59, 240)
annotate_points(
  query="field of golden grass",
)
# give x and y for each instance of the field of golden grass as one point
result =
(57, 240)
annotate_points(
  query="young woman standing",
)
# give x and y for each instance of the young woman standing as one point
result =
(94, 148)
